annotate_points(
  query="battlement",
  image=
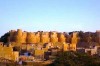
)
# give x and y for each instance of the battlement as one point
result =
(33, 37)
(20, 36)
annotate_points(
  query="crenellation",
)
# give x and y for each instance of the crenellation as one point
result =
(19, 32)
(20, 36)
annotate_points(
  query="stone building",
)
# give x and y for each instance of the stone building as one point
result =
(8, 53)
(66, 46)
(91, 49)
(73, 45)
(74, 41)
(39, 54)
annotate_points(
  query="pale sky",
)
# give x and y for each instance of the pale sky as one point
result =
(49, 15)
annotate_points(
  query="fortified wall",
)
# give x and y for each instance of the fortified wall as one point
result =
(36, 37)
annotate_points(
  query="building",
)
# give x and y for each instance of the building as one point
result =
(73, 45)
(90, 49)
(8, 53)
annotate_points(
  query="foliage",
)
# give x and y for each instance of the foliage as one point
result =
(5, 37)
(75, 59)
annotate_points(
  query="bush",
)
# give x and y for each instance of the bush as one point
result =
(75, 59)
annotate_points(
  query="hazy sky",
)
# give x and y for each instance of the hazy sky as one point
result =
(49, 15)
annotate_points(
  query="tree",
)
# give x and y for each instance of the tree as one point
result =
(5, 37)
(75, 59)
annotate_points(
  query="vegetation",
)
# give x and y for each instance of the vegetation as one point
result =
(5, 37)
(75, 59)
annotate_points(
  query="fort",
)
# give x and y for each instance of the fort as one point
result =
(38, 43)
(40, 37)
(45, 45)
(36, 37)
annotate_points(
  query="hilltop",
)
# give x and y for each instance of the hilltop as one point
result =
(20, 36)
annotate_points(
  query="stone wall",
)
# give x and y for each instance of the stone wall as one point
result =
(61, 37)
(74, 41)
(36, 37)
(8, 53)
(45, 37)
(40, 37)
(74, 38)
(54, 37)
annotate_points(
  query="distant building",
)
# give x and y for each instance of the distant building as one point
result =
(90, 49)
(73, 45)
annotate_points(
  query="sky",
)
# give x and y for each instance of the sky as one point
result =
(49, 15)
